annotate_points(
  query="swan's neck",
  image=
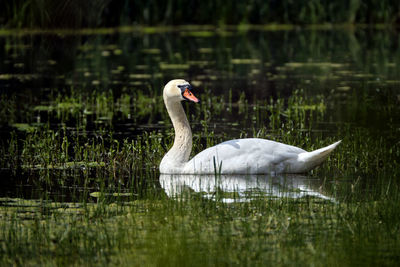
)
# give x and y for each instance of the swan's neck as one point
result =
(179, 154)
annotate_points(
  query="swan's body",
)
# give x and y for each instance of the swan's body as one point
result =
(240, 156)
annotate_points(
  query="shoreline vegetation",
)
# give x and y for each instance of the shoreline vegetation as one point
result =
(200, 29)
(106, 13)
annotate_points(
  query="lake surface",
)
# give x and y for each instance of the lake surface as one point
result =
(83, 128)
(352, 73)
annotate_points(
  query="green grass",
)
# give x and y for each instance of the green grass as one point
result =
(195, 231)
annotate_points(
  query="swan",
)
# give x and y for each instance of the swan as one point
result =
(239, 156)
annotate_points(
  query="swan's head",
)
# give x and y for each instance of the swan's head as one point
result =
(178, 90)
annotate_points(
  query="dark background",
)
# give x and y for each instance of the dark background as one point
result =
(112, 13)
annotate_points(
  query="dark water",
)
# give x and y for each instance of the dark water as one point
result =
(357, 72)
(259, 63)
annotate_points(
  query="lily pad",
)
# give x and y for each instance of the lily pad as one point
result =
(24, 127)
(101, 194)
(165, 66)
(245, 61)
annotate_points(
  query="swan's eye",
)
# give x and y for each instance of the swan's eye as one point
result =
(184, 87)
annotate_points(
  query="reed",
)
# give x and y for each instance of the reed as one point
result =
(75, 14)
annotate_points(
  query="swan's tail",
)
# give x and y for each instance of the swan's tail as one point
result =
(316, 157)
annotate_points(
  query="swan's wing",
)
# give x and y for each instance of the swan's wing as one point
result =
(250, 155)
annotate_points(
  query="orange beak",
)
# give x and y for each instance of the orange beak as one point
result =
(189, 96)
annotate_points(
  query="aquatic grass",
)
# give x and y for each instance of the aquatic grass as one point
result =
(148, 228)
(290, 121)
(180, 231)
(48, 149)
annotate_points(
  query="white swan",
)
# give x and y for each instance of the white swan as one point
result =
(240, 156)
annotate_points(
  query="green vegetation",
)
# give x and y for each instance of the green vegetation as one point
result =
(201, 232)
(130, 221)
(83, 128)
(106, 13)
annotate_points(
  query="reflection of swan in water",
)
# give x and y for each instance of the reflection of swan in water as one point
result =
(240, 187)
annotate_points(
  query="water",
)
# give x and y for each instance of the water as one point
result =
(83, 128)
(259, 63)
(45, 77)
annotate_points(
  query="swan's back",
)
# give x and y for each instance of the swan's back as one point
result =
(244, 156)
